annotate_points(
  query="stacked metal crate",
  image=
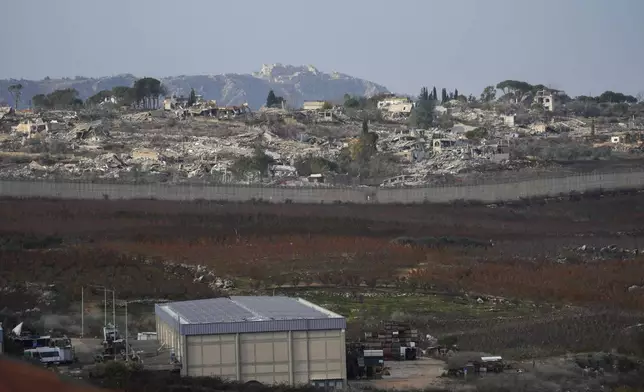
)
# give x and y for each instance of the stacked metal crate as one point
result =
(391, 338)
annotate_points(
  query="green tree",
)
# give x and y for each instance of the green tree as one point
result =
(488, 94)
(141, 92)
(124, 95)
(59, 99)
(273, 101)
(327, 105)
(313, 164)
(476, 134)
(40, 101)
(192, 98)
(585, 98)
(258, 163)
(515, 89)
(262, 161)
(613, 97)
(351, 102)
(422, 115)
(424, 94)
(16, 92)
(444, 96)
(366, 146)
(455, 93)
(147, 92)
(434, 95)
(100, 97)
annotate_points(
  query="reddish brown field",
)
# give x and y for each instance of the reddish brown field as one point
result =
(126, 244)
(107, 241)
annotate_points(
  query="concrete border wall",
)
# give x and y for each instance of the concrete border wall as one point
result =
(437, 194)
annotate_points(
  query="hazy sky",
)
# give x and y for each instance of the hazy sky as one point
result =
(582, 46)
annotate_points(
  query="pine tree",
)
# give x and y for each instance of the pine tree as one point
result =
(444, 96)
(434, 96)
(192, 98)
(424, 94)
(271, 99)
(456, 93)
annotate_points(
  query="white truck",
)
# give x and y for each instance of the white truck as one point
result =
(51, 355)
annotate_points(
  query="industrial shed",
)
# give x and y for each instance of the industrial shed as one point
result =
(264, 339)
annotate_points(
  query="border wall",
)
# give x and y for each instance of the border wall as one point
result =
(541, 187)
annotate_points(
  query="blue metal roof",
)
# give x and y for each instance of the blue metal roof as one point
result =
(239, 314)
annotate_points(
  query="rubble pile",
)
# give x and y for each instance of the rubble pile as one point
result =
(453, 162)
(202, 274)
(204, 142)
(605, 251)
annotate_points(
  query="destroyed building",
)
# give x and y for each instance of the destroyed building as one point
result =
(313, 105)
(37, 127)
(389, 101)
(440, 145)
(174, 102)
(182, 143)
(400, 108)
(546, 99)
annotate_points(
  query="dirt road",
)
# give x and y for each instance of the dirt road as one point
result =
(417, 374)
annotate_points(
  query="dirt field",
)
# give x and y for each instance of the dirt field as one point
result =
(418, 374)
(532, 278)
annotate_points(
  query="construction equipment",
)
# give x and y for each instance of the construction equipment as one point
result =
(114, 347)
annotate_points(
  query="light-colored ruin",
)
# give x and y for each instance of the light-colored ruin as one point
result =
(546, 99)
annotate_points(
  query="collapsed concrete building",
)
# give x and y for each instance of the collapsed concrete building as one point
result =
(546, 99)
(37, 127)
(314, 105)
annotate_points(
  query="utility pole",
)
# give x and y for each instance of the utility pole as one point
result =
(82, 311)
(114, 308)
(104, 307)
(127, 357)
(105, 290)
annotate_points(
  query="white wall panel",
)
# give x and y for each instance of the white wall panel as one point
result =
(268, 357)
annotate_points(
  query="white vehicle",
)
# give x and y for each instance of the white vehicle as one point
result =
(51, 355)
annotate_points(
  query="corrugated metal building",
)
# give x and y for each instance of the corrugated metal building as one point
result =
(264, 339)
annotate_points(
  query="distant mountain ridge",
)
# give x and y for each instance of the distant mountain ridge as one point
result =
(295, 83)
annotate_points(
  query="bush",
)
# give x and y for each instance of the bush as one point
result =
(28, 242)
(438, 242)
(560, 150)
(475, 134)
(312, 165)
(257, 164)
